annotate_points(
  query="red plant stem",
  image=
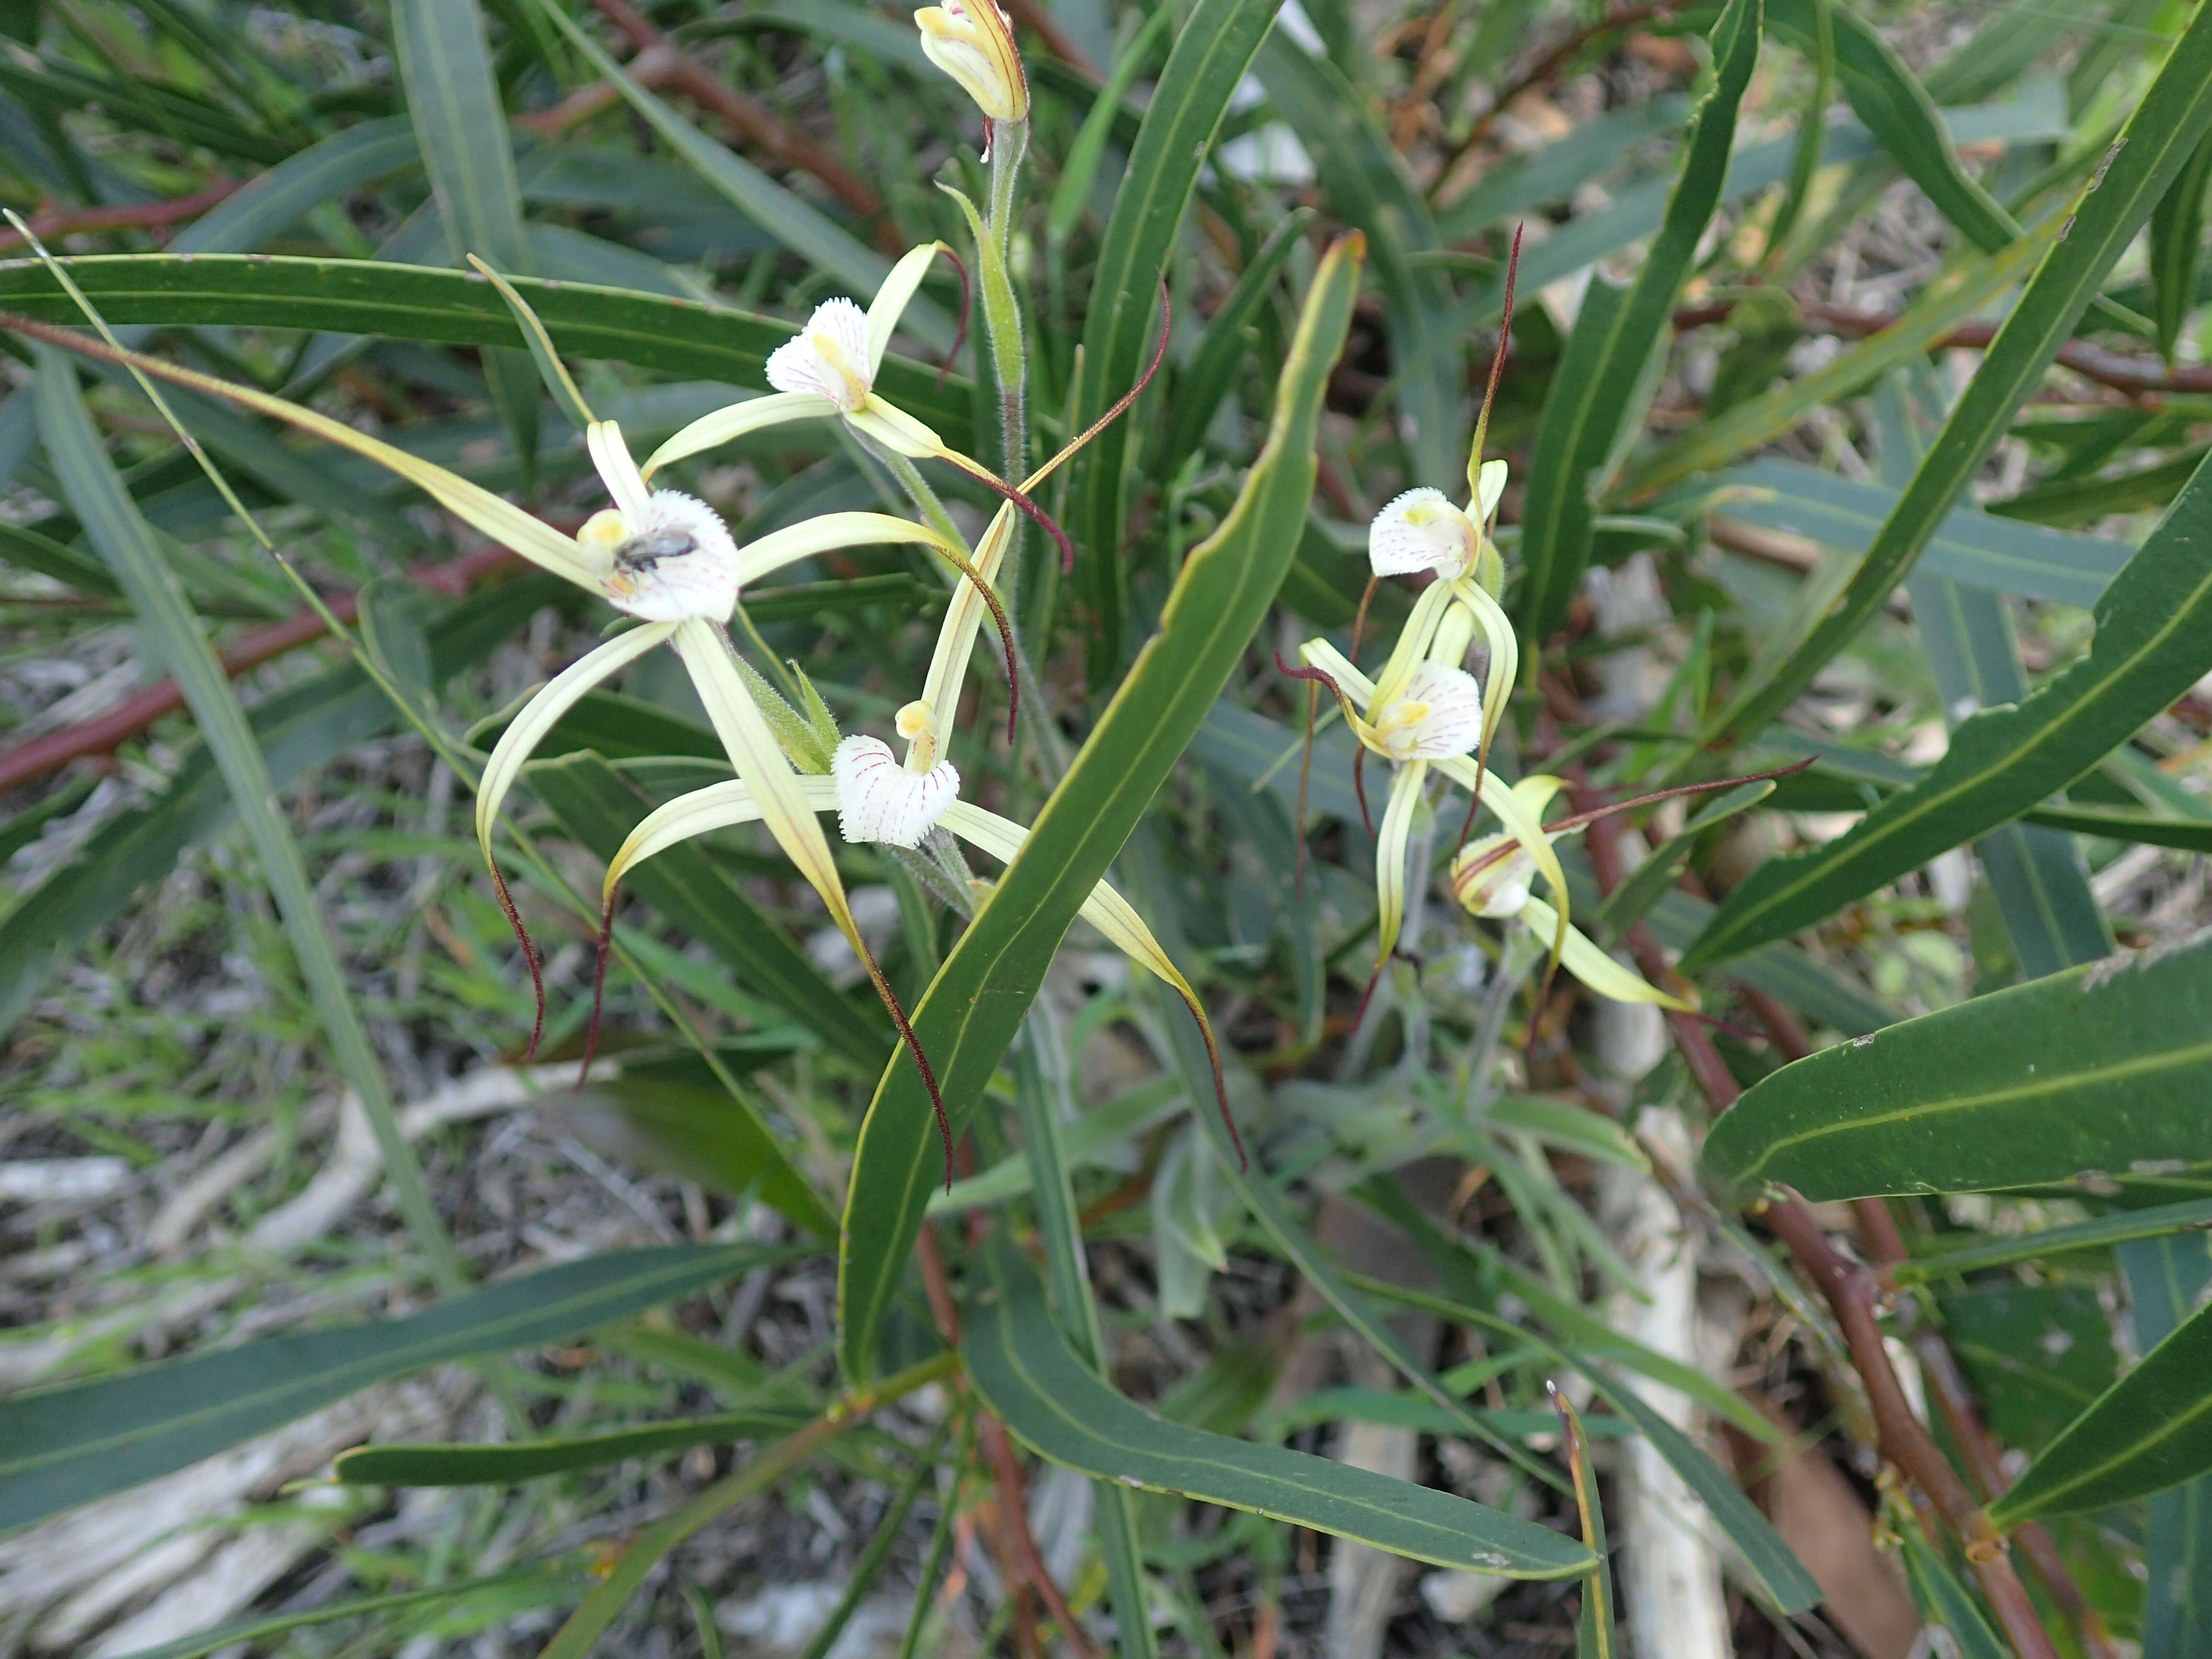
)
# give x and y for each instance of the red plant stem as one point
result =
(1014, 1513)
(756, 123)
(1940, 1368)
(103, 735)
(2132, 375)
(51, 223)
(1849, 1288)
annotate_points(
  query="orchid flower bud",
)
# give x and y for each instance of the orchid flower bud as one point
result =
(1489, 885)
(973, 41)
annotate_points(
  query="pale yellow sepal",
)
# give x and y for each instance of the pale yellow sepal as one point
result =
(1581, 956)
(544, 712)
(825, 534)
(752, 748)
(725, 425)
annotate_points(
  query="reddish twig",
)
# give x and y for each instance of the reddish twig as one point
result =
(109, 732)
(1984, 1461)
(51, 223)
(1849, 1289)
(2135, 376)
(756, 123)
(1014, 1515)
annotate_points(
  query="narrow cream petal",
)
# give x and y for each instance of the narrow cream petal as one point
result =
(752, 750)
(1581, 957)
(896, 430)
(717, 806)
(825, 534)
(1390, 848)
(502, 521)
(965, 615)
(1489, 490)
(617, 470)
(890, 301)
(1536, 792)
(543, 712)
(1414, 642)
(1504, 653)
(1320, 653)
(711, 431)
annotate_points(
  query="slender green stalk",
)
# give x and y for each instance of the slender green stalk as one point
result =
(871, 1564)
(1010, 142)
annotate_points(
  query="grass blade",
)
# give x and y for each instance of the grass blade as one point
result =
(113, 524)
(428, 1465)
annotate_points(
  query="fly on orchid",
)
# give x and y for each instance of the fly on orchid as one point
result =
(658, 555)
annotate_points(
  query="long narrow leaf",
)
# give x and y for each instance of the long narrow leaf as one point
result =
(2167, 126)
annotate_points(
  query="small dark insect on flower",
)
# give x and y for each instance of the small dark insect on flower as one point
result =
(642, 553)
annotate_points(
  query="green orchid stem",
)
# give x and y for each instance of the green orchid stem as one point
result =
(1517, 953)
(1002, 317)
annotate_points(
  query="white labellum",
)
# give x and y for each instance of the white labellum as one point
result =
(878, 799)
(1421, 530)
(1437, 717)
(829, 357)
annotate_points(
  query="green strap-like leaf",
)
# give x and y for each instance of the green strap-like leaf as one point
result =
(2154, 641)
(1022, 1366)
(1945, 1600)
(1213, 49)
(412, 302)
(69, 1445)
(2167, 126)
(975, 1004)
(506, 1586)
(446, 67)
(2165, 1277)
(2177, 248)
(2100, 1070)
(2150, 1430)
(462, 1464)
(1594, 398)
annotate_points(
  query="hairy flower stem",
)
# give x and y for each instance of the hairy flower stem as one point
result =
(1002, 317)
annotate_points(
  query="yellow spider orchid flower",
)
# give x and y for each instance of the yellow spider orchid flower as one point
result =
(660, 556)
(1492, 878)
(828, 370)
(878, 800)
(1433, 715)
(973, 41)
